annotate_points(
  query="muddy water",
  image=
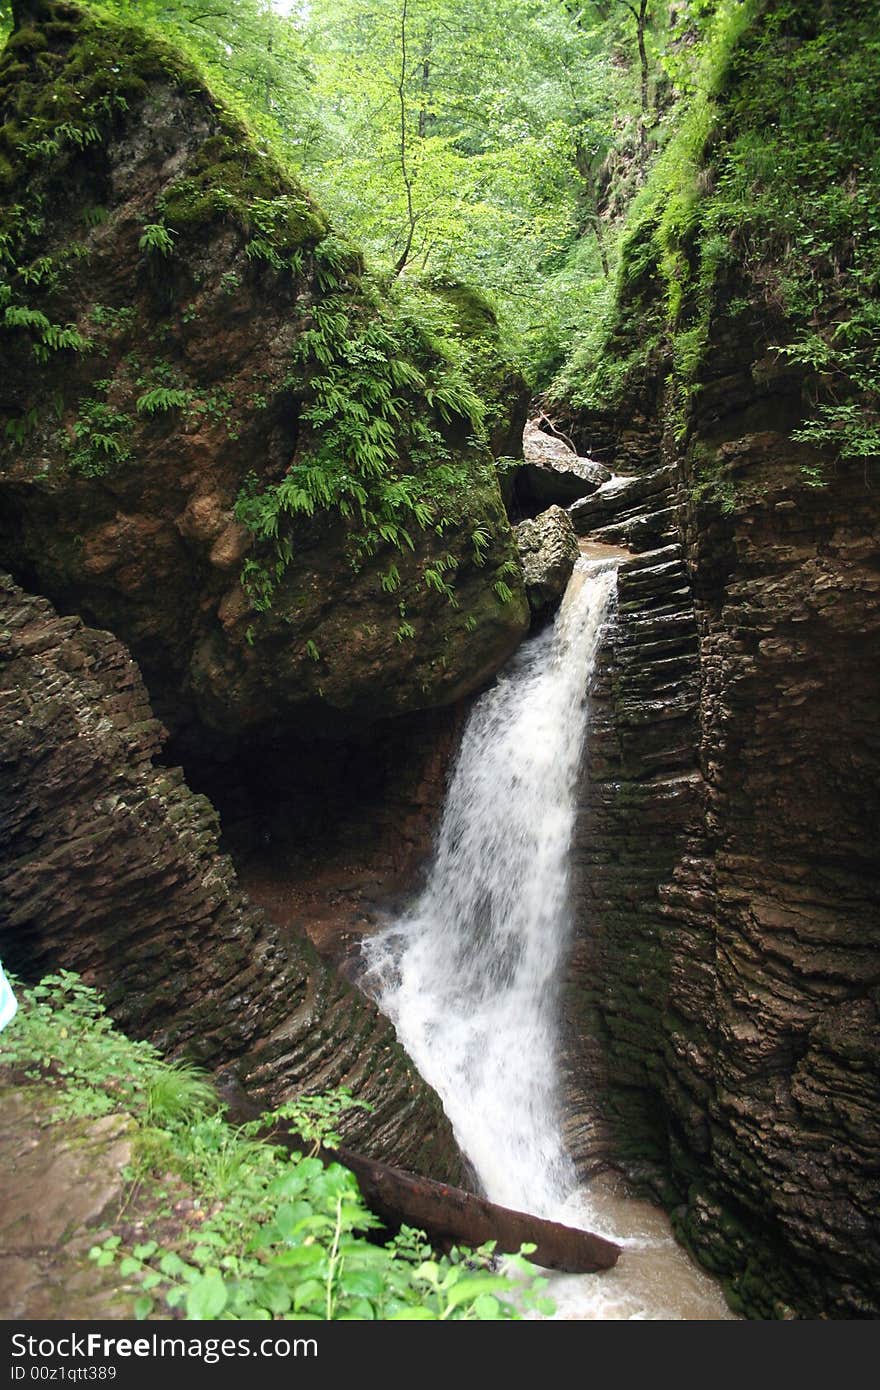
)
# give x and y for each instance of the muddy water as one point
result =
(655, 1280)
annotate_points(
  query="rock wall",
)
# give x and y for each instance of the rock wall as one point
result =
(723, 992)
(110, 866)
(724, 989)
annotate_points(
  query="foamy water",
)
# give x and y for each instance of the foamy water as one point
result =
(471, 975)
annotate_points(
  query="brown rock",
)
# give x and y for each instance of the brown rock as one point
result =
(109, 866)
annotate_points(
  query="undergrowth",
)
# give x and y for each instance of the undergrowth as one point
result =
(365, 372)
(273, 1234)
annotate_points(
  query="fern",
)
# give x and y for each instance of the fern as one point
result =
(364, 380)
(160, 398)
(19, 316)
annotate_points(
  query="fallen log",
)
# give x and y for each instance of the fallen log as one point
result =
(451, 1216)
(448, 1215)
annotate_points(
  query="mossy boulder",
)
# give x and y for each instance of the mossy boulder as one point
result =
(203, 383)
(506, 392)
(548, 548)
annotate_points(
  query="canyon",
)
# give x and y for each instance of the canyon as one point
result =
(207, 801)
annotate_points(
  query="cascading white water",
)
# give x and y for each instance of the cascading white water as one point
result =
(470, 975)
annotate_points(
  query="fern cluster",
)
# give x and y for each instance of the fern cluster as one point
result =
(366, 372)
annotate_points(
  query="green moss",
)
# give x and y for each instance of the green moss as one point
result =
(382, 377)
(27, 41)
(59, 31)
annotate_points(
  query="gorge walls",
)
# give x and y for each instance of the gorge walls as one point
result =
(724, 989)
(259, 468)
(723, 992)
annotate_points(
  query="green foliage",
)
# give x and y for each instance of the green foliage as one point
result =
(62, 1032)
(101, 437)
(273, 1235)
(52, 337)
(771, 183)
(251, 53)
(157, 237)
(161, 398)
(362, 370)
(463, 139)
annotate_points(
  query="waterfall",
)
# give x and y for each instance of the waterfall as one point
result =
(471, 974)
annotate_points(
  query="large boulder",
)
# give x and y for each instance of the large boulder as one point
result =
(550, 473)
(548, 549)
(201, 385)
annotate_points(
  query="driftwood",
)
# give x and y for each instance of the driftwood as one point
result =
(448, 1215)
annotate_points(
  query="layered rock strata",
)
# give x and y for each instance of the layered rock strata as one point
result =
(723, 997)
(110, 867)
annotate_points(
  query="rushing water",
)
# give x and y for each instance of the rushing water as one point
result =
(471, 974)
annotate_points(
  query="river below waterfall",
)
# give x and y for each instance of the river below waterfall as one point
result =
(471, 974)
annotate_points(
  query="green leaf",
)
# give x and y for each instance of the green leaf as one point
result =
(206, 1297)
(173, 1266)
(310, 1291)
(300, 1256)
(486, 1306)
(472, 1287)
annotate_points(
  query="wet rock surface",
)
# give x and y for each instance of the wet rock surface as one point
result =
(548, 549)
(61, 1184)
(110, 866)
(723, 995)
(551, 473)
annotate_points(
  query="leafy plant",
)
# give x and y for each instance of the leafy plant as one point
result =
(362, 374)
(161, 398)
(101, 435)
(157, 237)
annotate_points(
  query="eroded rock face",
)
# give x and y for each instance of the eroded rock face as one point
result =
(210, 316)
(723, 999)
(548, 549)
(110, 866)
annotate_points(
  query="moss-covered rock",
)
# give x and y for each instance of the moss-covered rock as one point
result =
(204, 384)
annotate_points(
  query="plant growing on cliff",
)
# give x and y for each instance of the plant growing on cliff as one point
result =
(363, 375)
(271, 1234)
(100, 436)
(769, 188)
(157, 237)
(162, 398)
